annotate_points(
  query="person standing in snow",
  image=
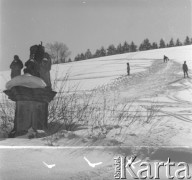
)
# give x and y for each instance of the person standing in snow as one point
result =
(165, 58)
(128, 69)
(16, 67)
(185, 69)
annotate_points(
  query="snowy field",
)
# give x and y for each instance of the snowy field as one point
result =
(151, 81)
(90, 74)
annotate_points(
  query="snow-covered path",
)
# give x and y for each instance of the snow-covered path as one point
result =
(163, 85)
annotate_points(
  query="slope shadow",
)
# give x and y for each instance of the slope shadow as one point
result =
(175, 81)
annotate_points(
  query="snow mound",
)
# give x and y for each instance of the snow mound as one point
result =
(26, 80)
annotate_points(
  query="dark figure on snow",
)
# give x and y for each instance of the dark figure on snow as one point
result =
(185, 69)
(128, 69)
(165, 58)
(16, 67)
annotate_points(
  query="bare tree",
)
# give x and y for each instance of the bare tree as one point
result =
(58, 51)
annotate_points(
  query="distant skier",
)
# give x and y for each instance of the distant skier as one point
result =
(128, 69)
(16, 67)
(165, 58)
(185, 69)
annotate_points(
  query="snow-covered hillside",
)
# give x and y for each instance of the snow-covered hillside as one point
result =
(92, 73)
(152, 84)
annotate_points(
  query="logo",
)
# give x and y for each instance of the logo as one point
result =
(137, 169)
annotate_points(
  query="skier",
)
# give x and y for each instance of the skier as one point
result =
(16, 67)
(165, 58)
(185, 69)
(128, 69)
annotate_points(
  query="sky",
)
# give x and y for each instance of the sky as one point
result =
(88, 24)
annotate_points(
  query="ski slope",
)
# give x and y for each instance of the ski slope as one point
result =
(164, 85)
(90, 74)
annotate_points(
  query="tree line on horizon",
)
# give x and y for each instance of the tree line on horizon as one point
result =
(60, 53)
(126, 48)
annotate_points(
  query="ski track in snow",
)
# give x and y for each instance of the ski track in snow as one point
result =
(164, 81)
